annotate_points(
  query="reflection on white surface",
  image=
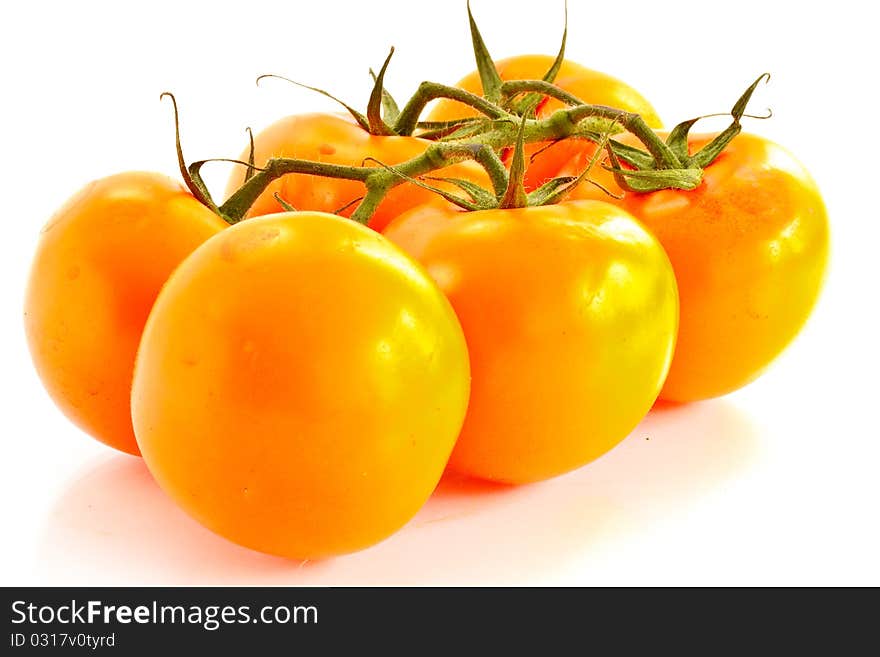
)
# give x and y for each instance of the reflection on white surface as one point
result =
(113, 525)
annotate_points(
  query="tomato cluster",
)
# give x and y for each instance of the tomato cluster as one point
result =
(298, 382)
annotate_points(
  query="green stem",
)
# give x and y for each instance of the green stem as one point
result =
(631, 122)
(579, 120)
(436, 156)
(513, 87)
(489, 160)
(377, 181)
(515, 195)
(663, 155)
(428, 91)
(237, 205)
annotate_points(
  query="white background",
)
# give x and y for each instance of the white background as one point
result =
(776, 484)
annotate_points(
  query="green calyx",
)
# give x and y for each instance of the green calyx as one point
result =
(495, 89)
(643, 177)
(507, 118)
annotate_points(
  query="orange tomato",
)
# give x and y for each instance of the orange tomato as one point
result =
(100, 263)
(750, 249)
(570, 314)
(300, 385)
(339, 140)
(590, 86)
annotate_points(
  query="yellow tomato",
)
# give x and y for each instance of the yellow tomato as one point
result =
(300, 385)
(750, 249)
(570, 314)
(100, 263)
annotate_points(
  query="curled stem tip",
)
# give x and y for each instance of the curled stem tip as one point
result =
(706, 155)
(768, 114)
(224, 159)
(360, 118)
(740, 107)
(192, 180)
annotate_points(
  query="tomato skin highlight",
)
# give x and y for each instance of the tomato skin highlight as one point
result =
(339, 140)
(300, 385)
(99, 265)
(592, 87)
(570, 315)
(750, 250)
